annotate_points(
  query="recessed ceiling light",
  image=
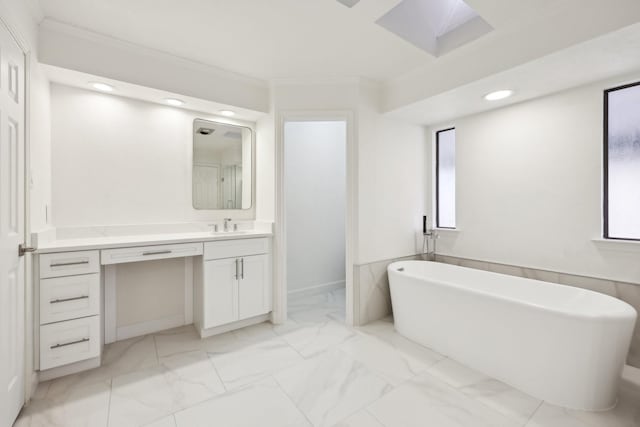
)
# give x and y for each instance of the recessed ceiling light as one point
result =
(103, 87)
(499, 94)
(174, 102)
(227, 113)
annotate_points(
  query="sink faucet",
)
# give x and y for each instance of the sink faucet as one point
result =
(227, 221)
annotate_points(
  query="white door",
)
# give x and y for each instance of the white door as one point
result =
(253, 287)
(220, 292)
(12, 108)
(206, 185)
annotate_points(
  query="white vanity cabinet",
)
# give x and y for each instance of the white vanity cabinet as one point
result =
(220, 292)
(69, 300)
(236, 283)
(227, 285)
(254, 286)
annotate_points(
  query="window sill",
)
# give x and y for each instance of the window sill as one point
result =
(446, 231)
(617, 245)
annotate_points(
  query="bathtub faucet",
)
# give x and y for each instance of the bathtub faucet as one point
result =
(428, 234)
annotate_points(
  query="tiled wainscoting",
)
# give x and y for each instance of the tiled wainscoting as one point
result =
(372, 285)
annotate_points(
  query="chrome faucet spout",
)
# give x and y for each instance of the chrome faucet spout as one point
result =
(227, 221)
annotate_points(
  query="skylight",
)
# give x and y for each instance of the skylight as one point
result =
(435, 26)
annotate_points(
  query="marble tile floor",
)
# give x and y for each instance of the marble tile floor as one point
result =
(311, 371)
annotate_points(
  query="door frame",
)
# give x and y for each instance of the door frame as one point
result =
(30, 375)
(351, 226)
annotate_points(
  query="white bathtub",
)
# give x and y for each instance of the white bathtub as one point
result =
(561, 344)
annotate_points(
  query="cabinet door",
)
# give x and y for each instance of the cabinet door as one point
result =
(254, 286)
(220, 292)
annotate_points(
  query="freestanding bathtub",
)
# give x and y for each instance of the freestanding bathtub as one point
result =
(561, 344)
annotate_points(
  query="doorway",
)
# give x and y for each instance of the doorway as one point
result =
(315, 187)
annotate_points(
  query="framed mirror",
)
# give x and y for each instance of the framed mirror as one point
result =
(222, 166)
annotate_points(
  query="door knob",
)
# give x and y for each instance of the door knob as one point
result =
(22, 249)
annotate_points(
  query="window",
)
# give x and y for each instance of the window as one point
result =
(622, 162)
(446, 178)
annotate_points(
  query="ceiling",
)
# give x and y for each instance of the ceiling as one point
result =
(271, 39)
(266, 39)
(613, 56)
(299, 39)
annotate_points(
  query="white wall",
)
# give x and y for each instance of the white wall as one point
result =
(137, 281)
(265, 168)
(315, 192)
(529, 187)
(391, 183)
(40, 151)
(122, 161)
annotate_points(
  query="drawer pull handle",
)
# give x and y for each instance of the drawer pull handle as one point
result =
(66, 264)
(155, 253)
(59, 300)
(53, 347)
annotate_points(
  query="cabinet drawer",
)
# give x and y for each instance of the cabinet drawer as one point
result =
(69, 263)
(147, 253)
(68, 342)
(235, 248)
(65, 298)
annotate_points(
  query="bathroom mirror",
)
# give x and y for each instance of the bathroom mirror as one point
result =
(221, 166)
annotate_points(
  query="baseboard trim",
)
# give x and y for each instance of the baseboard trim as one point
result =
(69, 369)
(316, 289)
(145, 328)
(34, 381)
(206, 333)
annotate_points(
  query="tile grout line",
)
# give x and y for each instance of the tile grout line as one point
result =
(475, 399)
(155, 347)
(533, 414)
(215, 369)
(373, 415)
(109, 404)
(293, 402)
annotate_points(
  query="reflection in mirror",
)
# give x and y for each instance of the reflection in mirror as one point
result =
(221, 166)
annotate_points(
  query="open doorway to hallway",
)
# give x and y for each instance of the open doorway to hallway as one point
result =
(315, 213)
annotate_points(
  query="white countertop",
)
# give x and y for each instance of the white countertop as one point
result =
(109, 242)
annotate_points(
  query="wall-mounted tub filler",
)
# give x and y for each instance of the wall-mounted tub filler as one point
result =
(428, 234)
